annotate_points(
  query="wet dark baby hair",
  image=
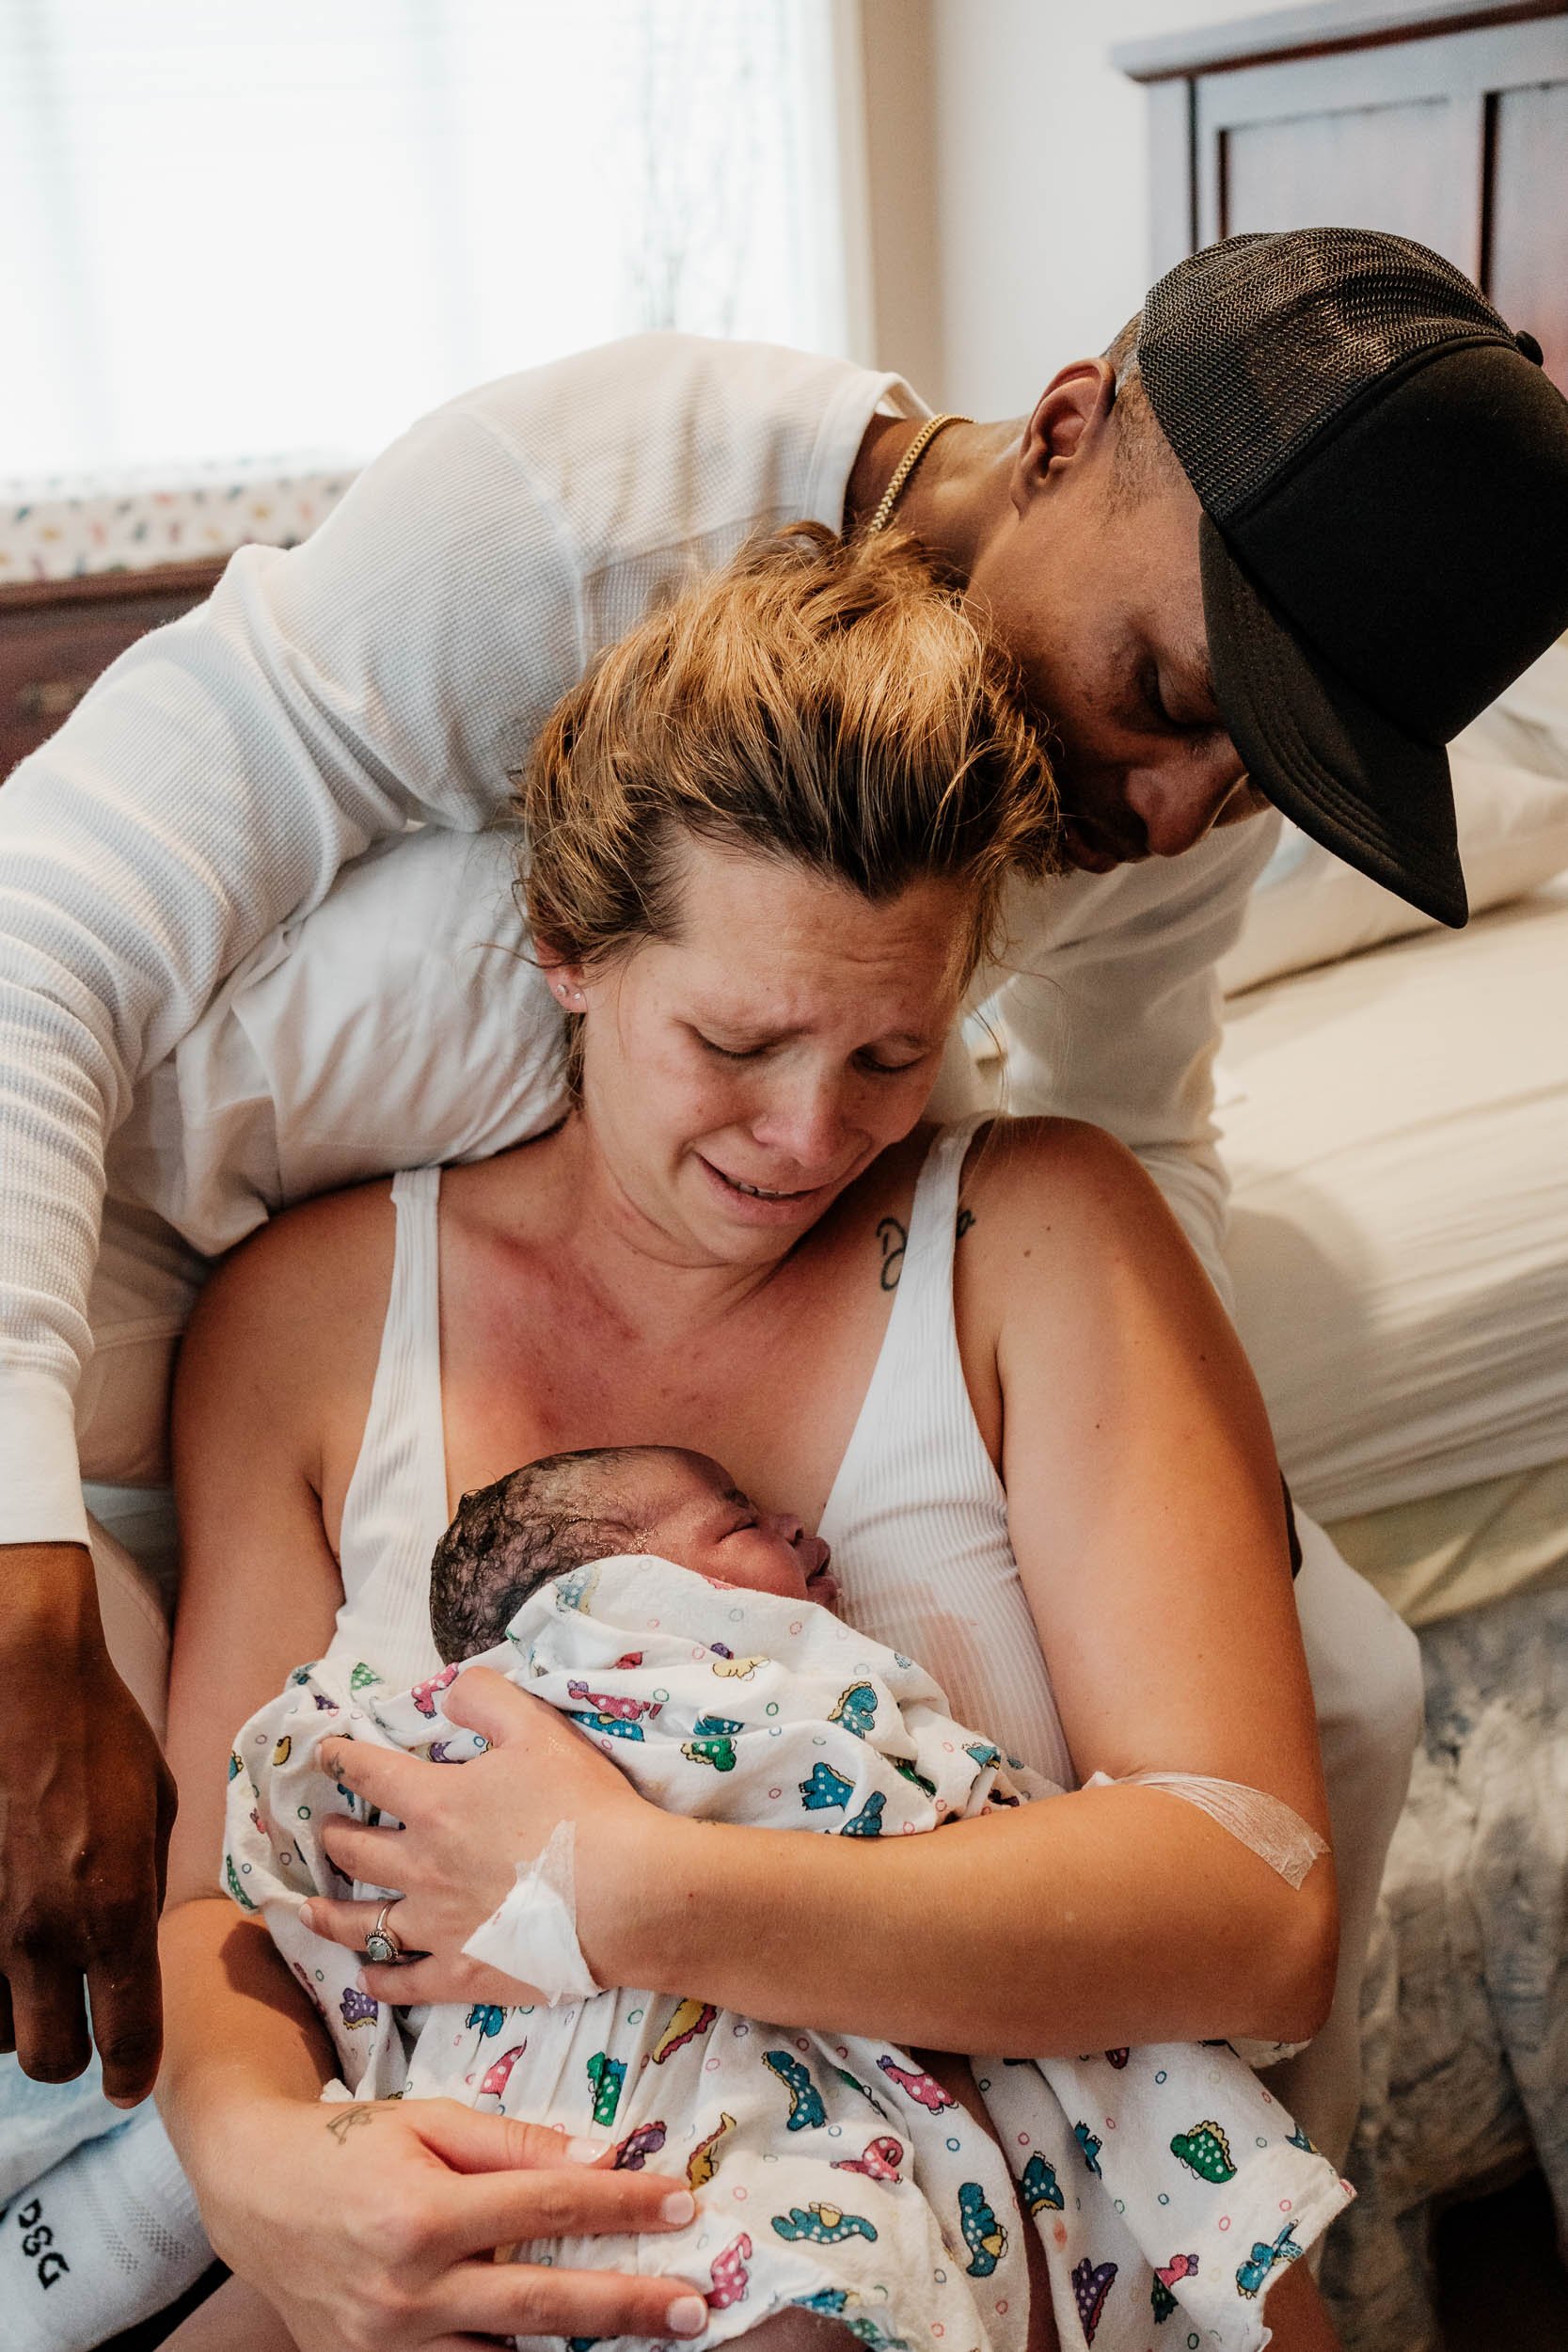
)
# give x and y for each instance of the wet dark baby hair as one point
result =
(537, 1522)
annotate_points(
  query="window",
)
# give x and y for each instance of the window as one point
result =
(231, 229)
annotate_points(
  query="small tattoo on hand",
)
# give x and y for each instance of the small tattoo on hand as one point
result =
(346, 2119)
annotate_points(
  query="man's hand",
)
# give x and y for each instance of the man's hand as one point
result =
(87, 1805)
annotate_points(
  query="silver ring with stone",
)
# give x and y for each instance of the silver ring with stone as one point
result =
(383, 1948)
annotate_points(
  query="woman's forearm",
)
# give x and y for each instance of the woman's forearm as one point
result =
(238, 2031)
(1113, 1917)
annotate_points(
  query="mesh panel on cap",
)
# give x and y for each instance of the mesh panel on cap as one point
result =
(1248, 348)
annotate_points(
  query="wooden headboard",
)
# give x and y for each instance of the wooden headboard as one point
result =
(1446, 122)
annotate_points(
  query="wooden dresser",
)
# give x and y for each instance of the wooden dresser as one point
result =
(91, 561)
(57, 635)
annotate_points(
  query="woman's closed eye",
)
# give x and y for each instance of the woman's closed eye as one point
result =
(728, 1053)
(867, 1061)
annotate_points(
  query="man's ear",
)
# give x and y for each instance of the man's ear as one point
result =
(1070, 421)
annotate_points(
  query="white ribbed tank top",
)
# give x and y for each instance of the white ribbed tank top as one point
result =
(917, 1517)
(395, 1510)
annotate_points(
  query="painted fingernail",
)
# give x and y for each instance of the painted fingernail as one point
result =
(680, 2208)
(687, 2315)
(586, 2150)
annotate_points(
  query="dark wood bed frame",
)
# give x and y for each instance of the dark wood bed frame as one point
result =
(1446, 122)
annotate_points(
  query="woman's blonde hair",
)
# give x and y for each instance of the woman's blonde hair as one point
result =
(823, 701)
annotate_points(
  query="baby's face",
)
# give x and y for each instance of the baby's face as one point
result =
(692, 1513)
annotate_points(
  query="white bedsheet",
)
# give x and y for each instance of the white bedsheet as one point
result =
(1397, 1129)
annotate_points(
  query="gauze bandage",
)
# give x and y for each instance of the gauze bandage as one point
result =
(1265, 1825)
(533, 1934)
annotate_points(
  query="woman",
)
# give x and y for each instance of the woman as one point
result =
(769, 839)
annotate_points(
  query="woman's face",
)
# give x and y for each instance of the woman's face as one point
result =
(739, 1076)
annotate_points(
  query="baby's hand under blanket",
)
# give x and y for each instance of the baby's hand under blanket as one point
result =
(464, 1833)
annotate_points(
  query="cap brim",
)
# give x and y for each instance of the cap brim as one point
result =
(1348, 776)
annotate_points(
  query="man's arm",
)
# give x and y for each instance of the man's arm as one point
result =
(86, 1807)
(212, 782)
(1111, 1014)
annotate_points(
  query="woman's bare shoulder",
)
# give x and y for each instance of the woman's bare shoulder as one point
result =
(316, 1259)
(1066, 1238)
(296, 1309)
(1056, 1215)
(1019, 1171)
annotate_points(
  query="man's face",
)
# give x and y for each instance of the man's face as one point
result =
(1098, 597)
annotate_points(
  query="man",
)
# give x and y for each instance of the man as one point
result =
(1278, 547)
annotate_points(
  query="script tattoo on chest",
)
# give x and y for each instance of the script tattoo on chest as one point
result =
(893, 1239)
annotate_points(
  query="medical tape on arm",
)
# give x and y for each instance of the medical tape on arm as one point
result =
(532, 1935)
(1266, 1825)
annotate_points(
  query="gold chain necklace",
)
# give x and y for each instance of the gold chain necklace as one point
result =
(907, 464)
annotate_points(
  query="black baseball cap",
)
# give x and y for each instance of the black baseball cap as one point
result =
(1383, 469)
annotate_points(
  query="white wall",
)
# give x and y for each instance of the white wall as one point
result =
(1035, 249)
(897, 93)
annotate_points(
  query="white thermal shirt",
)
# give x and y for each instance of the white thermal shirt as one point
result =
(389, 673)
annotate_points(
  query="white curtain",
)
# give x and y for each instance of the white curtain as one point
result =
(242, 228)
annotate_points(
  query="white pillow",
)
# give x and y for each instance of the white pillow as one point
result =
(1510, 795)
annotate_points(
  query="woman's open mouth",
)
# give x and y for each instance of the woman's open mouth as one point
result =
(761, 1196)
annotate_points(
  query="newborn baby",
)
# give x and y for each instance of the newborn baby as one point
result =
(556, 1515)
(639, 1591)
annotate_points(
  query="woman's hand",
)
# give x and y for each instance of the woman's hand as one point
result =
(466, 1832)
(372, 2228)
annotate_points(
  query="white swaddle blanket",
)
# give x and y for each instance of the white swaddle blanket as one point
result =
(830, 2170)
